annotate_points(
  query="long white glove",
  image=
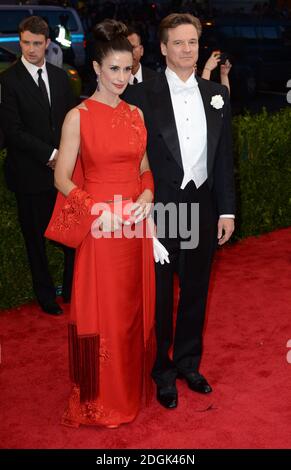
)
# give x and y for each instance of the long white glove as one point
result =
(160, 253)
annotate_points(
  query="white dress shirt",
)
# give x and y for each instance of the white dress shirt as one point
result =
(138, 76)
(32, 70)
(191, 128)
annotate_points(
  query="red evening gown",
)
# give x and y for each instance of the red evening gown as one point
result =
(111, 344)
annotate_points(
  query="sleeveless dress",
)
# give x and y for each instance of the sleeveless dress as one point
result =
(111, 327)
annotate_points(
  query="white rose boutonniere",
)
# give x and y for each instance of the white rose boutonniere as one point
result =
(217, 101)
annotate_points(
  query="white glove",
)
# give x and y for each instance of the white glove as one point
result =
(160, 253)
(109, 222)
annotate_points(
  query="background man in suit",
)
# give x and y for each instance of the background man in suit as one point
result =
(139, 72)
(35, 97)
(189, 149)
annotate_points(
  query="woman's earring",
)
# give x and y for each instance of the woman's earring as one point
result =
(97, 82)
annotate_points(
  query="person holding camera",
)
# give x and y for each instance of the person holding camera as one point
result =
(218, 58)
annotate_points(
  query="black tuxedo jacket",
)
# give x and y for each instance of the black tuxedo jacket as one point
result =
(154, 99)
(31, 130)
(147, 74)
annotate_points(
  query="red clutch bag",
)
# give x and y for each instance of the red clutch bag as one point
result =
(71, 220)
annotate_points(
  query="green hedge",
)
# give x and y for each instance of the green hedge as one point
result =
(262, 145)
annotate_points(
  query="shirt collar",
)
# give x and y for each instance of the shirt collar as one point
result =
(138, 75)
(174, 80)
(31, 68)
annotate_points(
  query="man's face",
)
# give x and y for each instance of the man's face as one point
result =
(33, 47)
(181, 50)
(137, 51)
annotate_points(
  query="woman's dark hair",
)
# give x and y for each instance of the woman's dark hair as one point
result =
(110, 35)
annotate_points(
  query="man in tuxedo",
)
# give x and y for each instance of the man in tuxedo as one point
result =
(35, 97)
(139, 72)
(189, 149)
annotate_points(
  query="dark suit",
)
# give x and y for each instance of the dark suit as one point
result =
(147, 73)
(32, 131)
(215, 196)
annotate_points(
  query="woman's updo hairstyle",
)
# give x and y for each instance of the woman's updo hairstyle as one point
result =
(110, 35)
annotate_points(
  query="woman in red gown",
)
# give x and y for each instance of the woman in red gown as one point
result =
(102, 155)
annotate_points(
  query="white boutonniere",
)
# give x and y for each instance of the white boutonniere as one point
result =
(217, 101)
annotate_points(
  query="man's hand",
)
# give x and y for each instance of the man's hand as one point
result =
(52, 163)
(225, 229)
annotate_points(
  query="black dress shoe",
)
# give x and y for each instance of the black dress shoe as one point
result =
(167, 397)
(196, 382)
(52, 308)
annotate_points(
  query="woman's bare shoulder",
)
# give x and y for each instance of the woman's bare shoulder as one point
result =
(73, 117)
(135, 108)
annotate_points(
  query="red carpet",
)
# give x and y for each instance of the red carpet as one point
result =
(249, 324)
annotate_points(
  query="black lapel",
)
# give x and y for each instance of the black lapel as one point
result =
(213, 119)
(52, 84)
(29, 84)
(162, 107)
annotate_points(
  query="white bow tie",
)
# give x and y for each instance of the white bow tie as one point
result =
(187, 86)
